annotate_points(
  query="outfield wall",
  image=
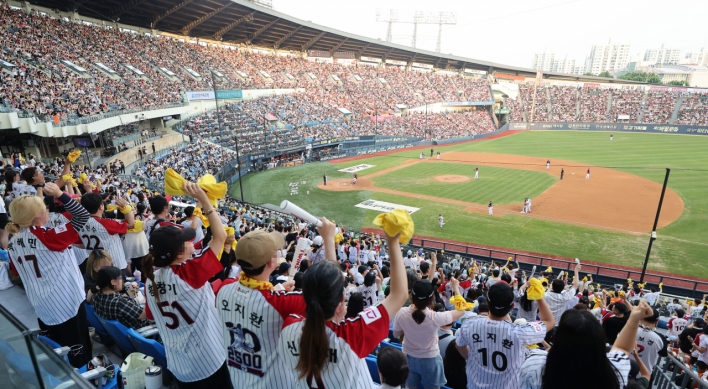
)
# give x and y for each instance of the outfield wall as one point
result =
(645, 128)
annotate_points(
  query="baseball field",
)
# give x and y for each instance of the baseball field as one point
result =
(604, 218)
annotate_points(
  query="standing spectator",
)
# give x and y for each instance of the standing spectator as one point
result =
(52, 280)
(420, 326)
(454, 363)
(558, 298)
(579, 330)
(187, 310)
(306, 344)
(650, 343)
(613, 325)
(493, 346)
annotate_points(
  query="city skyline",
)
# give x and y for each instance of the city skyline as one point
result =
(513, 34)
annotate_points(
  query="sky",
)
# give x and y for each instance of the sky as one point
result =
(512, 31)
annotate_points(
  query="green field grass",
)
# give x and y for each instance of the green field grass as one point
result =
(680, 248)
(500, 184)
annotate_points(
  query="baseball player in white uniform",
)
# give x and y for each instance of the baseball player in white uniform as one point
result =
(181, 301)
(441, 220)
(490, 208)
(587, 175)
(47, 266)
(495, 348)
(548, 164)
(476, 172)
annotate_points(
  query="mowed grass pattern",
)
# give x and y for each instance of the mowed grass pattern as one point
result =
(502, 185)
(680, 248)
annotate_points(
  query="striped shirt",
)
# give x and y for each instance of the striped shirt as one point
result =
(48, 268)
(57, 219)
(557, 302)
(350, 341)
(531, 372)
(650, 347)
(496, 350)
(186, 316)
(100, 233)
(251, 322)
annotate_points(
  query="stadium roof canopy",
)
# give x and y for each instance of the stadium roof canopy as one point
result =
(243, 22)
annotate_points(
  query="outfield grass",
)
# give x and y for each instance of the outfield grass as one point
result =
(680, 248)
(502, 185)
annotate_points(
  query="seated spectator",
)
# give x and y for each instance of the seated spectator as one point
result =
(111, 304)
(393, 368)
(97, 260)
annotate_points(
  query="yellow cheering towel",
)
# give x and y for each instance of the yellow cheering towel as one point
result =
(338, 238)
(642, 285)
(395, 222)
(67, 178)
(73, 155)
(690, 303)
(229, 232)
(535, 290)
(460, 303)
(585, 279)
(198, 213)
(111, 207)
(214, 190)
(621, 294)
(138, 227)
(549, 270)
(597, 301)
(532, 346)
(599, 286)
(661, 285)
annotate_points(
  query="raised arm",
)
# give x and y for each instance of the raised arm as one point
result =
(327, 230)
(398, 282)
(577, 276)
(218, 234)
(67, 169)
(544, 311)
(127, 211)
(628, 336)
(79, 214)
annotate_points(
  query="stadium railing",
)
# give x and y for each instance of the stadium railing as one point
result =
(676, 374)
(672, 284)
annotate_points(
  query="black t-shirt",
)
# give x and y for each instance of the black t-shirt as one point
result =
(685, 345)
(613, 326)
(291, 237)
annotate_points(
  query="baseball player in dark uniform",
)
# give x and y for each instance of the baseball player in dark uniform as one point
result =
(562, 173)
(324, 177)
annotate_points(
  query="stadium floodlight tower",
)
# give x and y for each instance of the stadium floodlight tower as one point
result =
(416, 18)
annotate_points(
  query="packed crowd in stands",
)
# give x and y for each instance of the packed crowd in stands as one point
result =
(593, 105)
(659, 106)
(565, 103)
(415, 315)
(694, 110)
(626, 102)
(190, 162)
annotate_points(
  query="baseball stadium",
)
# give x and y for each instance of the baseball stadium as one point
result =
(221, 194)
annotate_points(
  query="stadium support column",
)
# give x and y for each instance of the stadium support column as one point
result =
(656, 222)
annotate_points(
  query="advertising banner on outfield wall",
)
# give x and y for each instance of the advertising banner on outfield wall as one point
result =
(383, 206)
(654, 128)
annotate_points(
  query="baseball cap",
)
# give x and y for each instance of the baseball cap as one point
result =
(256, 248)
(423, 289)
(166, 241)
(699, 322)
(410, 253)
(318, 241)
(501, 296)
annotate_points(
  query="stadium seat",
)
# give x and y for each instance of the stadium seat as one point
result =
(390, 344)
(52, 344)
(149, 347)
(119, 333)
(25, 374)
(96, 324)
(372, 364)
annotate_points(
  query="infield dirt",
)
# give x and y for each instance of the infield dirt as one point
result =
(610, 199)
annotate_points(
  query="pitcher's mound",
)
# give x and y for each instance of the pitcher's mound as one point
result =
(451, 178)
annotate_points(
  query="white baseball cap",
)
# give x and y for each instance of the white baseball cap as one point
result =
(318, 241)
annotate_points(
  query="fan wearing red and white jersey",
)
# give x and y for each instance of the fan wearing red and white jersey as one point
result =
(100, 233)
(48, 268)
(678, 323)
(252, 313)
(160, 210)
(181, 302)
(371, 287)
(327, 352)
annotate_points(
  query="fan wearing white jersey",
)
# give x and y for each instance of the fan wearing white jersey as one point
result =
(100, 233)
(327, 352)
(495, 348)
(47, 267)
(252, 312)
(181, 301)
(678, 323)
(194, 222)
(371, 287)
